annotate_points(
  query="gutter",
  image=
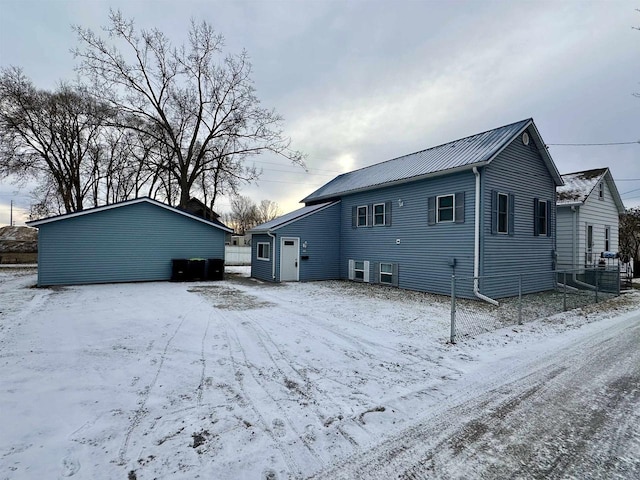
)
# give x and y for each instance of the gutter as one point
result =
(273, 263)
(476, 246)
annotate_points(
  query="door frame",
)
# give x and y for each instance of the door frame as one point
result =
(297, 240)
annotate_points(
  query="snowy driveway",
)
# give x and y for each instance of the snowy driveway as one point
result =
(238, 379)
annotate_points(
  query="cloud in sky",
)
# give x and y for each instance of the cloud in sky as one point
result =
(360, 82)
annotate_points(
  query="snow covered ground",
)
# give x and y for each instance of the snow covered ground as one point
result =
(238, 379)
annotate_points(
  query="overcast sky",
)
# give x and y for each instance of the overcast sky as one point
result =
(360, 82)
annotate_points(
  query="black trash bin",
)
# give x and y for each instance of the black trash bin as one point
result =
(216, 269)
(179, 270)
(196, 269)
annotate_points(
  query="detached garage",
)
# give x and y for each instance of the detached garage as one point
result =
(131, 241)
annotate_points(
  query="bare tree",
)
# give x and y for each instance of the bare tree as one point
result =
(199, 105)
(629, 233)
(49, 136)
(267, 211)
(243, 216)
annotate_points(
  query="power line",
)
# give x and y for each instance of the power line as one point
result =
(630, 191)
(590, 144)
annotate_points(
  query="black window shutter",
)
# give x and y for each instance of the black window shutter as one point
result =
(387, 214)
(431, 211)
(548, 218)
(512, 214)
(536, 217)
(394, 278)
(494, 212)
(354, 217)
(376, 272)
(460, 207)
(369, 215)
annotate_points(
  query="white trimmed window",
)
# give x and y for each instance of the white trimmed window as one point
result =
(263, 250)
(542, 217)
(386, 273)
(359, 270)
(446, 208)
(362, 216)
(601, 191)
(378, 214)
(503, 213)
(607, 239)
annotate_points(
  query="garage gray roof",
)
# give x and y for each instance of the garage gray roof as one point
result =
(462, 154)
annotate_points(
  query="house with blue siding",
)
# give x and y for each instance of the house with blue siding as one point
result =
(130, 241)
(481, 206)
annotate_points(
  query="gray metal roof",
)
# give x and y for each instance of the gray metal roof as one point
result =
(290, 217)
(460, 154)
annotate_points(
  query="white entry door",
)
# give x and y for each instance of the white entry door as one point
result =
(289, 259)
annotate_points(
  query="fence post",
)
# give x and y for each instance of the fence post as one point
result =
(596, 272)
(564, 295)
(520, 299)
(453, 309)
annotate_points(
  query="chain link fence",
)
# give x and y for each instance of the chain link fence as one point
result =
(574, 288)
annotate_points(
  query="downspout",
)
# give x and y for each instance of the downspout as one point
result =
(476, 246)
(273, 262)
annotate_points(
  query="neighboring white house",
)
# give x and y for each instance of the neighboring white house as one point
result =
(588, 209)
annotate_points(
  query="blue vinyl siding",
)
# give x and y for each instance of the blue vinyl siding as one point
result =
(261, 269)
(321, 232)
(518, 170)
(423, 254)
(125, 244)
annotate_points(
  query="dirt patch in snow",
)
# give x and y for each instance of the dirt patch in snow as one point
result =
(228, 298)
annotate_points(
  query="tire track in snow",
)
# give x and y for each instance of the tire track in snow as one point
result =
(501, 432)
(203, 360)
(292, 365)
(304, 379)
(292, 465)
(264, 387)
(140, 412)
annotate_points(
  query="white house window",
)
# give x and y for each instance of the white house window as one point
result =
(378, 214)
(386, 273)
(362, 216)
(445, 208)
(358, 270)
(601, 191)
(607, 237)
(263, 251)
(542, 217)
(503, 213)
